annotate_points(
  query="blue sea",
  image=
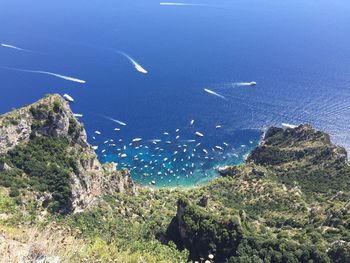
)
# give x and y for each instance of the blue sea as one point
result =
(146, 65)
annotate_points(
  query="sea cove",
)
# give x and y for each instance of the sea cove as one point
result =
(149, 65)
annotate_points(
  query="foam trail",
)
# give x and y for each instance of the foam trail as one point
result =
(14, 47)
(114, 120)
(178, 4)
(48, 73)
(137, 66)
(242, 84)
(214, 93)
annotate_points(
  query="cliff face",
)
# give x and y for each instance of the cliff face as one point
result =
(294, 185)
(50, 118)
(303, 145)
(289, 203)
(204, 233)
(303, 156)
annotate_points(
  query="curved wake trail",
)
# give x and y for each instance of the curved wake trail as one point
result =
(242, 84)
(137, 66)
(178, 4)
(215, 94)
(14, 47)
(114, 120)
(48, 73)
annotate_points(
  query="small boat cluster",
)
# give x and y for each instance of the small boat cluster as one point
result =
(170, 157)
(173, 156)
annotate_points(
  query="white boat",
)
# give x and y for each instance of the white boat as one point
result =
(218, 126)
(137, 140)
(253, 83)
(98, 132)
(192, 122)
(199, 134)
(219, 148)
(68, 98)
(78, 115)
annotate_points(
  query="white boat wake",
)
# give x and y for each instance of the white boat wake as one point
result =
(48, 73)
(14, 47)
(215, 94)
(242, 84)
(178, 4)
(137, 66)
(114, 120)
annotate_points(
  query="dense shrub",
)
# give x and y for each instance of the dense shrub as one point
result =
(47, 163)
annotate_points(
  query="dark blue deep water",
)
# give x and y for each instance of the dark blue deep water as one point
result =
(297, 51)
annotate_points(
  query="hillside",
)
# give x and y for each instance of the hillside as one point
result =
(289, 203)
(43, 151)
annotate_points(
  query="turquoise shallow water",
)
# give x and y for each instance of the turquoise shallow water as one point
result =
(297, 51)
(172, 161)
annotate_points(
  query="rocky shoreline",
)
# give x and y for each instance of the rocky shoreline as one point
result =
(289, 202)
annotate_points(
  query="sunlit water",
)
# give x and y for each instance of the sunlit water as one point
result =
(148, 65)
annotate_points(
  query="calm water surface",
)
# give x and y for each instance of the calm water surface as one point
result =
(297, 51)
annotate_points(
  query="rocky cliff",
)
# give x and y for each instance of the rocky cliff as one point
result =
(34, 127)
(288, 203)
(303, 145)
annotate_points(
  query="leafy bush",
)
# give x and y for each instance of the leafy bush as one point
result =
(47, 163)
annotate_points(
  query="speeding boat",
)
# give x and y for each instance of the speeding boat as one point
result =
(199, 134)
(68, 98)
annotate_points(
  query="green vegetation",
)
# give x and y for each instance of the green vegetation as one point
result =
(235, 239)
(289, 203)
(306, 157)
(42, 165)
